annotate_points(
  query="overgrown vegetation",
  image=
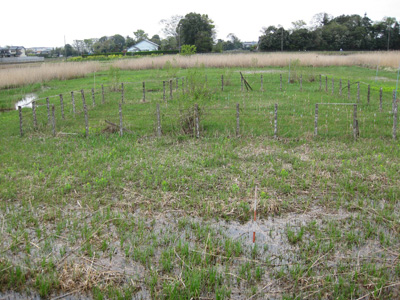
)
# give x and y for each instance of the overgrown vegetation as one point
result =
(170, 217)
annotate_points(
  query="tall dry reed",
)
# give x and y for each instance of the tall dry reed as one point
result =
(369, 59)
(24, 74)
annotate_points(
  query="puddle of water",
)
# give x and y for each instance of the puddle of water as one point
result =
(26, 102)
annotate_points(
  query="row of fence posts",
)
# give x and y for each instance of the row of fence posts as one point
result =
(394, 104)
(196, 119)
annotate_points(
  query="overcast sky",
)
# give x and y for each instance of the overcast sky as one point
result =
(45, 23)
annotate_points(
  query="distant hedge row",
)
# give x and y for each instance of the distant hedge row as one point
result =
(133, 53)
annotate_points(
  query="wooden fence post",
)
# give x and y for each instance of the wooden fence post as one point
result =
(326, 84)
(158, 120)
(369, 93)
(20, 121)
(348, 89)
(170, 89)
(73, 103)
(320, 82)
(53, 119)
(316, 120)
(163, 90)
(121, 128)
(355, 122)
(222, 83)
(237, 119)
(86, 114)
(262, 83)
(393, 99)
(62, 106)
(48, 110)
(276, 121)
(34, 115)
(102, 94)
(333, 85)
(340, 87)
(196, 120)
(281, 81)
(93, 98)
(144, 91)
(358, 92)
(122, 93)
(394, 118)
(380, 99)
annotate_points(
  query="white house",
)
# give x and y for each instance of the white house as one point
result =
(144, 45)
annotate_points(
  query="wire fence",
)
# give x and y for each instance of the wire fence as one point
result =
(261, 105)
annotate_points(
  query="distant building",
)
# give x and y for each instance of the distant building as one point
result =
(13, 51)
(40, 50)
(144, 45)
(248, 45)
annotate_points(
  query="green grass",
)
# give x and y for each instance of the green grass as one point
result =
(169, 217)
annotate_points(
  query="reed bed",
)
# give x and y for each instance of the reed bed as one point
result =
(368, 59)
(19, 76)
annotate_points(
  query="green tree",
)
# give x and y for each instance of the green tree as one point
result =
(119, 43)
(197, 30)
(156, 39)
(140, 35)
(274, 39)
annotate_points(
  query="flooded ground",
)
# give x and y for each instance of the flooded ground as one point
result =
(26, 101)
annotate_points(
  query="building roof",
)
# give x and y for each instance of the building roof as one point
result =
(136, 46)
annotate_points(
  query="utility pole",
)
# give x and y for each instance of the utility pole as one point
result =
(281, 39)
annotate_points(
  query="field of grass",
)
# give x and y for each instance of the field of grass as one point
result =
(139, 216)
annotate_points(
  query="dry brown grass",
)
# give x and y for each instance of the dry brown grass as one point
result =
(27, 74)
(383, 59)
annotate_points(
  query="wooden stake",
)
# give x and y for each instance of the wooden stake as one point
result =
(158, 120)
(62, 106)
(369, 93)
(316, 120)
(93, 98)
(326, 84)
(48, 110)
(262, 83)
(320, 82)
(340, 87)
(355, 122)
(196, 120)
(122, 93)
(144, 91)
(102, 94)
(276, 121)
(394, 118)
(73, 103)
(20, 121)
(170, 89)
(34, 115)
(380, 99)
(281, 82)
(163, 90)
(86, 114)
(53, 119)
(222, 82)
(348, 89)
(121, 128)
(333, 85)
(237, 119)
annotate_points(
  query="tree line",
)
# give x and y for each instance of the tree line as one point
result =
(326, 33)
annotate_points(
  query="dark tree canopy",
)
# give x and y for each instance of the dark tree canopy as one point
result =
(347, 32)
(198, 30)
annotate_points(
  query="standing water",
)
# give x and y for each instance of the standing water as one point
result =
(26, 101)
